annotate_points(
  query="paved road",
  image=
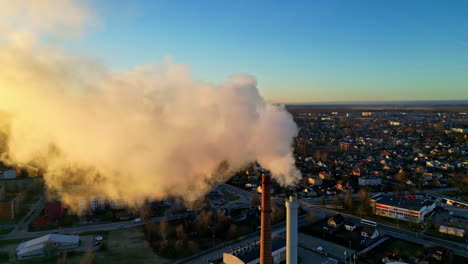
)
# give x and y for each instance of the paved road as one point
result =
(309, 256)
(34, 212)
(88, 228)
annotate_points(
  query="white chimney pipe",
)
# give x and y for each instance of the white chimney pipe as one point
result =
(291, 230)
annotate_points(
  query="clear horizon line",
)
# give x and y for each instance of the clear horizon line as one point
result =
(462, 101)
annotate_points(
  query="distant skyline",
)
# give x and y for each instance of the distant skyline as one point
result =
(299, 51)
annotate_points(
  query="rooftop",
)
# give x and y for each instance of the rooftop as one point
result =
(251, 251)
(441, 196)
(402, 202)
(40, 242)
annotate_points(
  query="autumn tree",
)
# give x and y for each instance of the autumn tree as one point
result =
(348, 200)
(180, 233)
(232, 232)
(163, 230)
(192, 247)
(151, 229)
(88, 257)
(364, 202)
(401, 176)
(336, 202)
(311, 216)
(62, 259)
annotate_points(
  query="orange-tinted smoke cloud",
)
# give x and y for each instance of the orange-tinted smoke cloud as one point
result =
(152, 132)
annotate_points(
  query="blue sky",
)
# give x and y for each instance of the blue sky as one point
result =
(300, 51)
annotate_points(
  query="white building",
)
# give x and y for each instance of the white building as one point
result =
(46, 245)
(250, 253)
(403, 208)
(371, 180)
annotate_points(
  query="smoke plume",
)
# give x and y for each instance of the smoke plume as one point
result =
(152, 132)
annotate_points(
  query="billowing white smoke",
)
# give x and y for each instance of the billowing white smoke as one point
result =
(152, 132)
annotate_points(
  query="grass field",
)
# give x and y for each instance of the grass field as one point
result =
(398, 246)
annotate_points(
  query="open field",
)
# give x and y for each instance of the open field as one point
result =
(403, 248)
(127, 246)
(119, 247)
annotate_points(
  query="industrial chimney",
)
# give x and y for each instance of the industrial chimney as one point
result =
(265, 232)
(291, 230)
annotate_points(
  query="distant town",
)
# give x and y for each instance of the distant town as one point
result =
(379, 185)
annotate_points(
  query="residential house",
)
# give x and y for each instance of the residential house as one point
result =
(369, 231)
(336, 221)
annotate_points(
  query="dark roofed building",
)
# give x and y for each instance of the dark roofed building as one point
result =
(336, 221)
(369, 232)
(447, 200)
(250, 253)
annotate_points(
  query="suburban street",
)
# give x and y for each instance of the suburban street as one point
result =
(396, 232)
(309, 204)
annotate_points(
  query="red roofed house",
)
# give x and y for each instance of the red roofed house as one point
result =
(53, 210)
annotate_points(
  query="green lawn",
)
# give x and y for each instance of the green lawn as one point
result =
(4, 231)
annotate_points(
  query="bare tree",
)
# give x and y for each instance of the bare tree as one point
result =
(163, 227)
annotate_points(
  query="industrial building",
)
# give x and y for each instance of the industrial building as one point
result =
(46, 245)
(250, 253)
(402, 208)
